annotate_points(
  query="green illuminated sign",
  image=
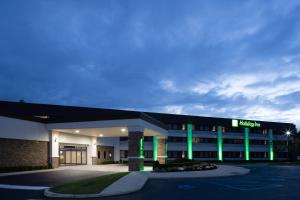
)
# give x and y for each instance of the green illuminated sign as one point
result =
(220, 144)
(190, 141)
(247, 144)
(245, 123)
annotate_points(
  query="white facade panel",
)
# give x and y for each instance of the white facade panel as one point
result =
(22, 129)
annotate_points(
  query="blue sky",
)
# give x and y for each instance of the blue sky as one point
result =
(237, 59)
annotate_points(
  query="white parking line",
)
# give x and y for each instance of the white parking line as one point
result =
(247, 187)
(22, 187)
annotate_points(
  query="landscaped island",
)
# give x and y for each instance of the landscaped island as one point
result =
(183, 165)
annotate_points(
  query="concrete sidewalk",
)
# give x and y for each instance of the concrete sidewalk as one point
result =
(135, 181)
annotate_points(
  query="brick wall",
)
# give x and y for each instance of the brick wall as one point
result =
(16, 152)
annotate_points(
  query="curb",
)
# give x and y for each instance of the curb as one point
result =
(22, 187)
(47, 193)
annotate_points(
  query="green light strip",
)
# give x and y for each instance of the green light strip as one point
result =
(271, 152)
(190, 141)
(142, 153)
(220, 144)
(166, 150)
(155, 148)
(142, 148)
(246, 143)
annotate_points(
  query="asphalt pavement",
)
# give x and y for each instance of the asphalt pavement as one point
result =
(265, 181)
(52, 178)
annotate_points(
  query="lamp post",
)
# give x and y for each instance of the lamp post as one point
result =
(288, 133)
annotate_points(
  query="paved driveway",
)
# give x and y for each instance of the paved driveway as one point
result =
(62, 175)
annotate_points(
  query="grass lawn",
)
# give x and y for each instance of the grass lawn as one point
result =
(88, 186)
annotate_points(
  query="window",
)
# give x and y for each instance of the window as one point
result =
(104, 154)
(148, 139)
(257, 154)
(265, 131)
(183, 127)
(123, 154)
(233, 154)
(177, 139)
(123, 138)
(213, 129)
(233, 141)
(204, 154)
(99, 154)
(177, 154)
(148, 154)
(258, 142)
(204, 140)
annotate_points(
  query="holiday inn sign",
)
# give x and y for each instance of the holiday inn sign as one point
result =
(245, 123)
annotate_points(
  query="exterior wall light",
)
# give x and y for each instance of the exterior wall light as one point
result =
(123, 129)
(76, 131)
(100, 135)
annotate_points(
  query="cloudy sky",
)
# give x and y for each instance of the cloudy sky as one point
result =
(212, 58)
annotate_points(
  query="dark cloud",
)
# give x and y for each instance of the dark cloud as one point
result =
(117, 53)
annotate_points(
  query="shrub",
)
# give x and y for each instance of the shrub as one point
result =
(183, 165)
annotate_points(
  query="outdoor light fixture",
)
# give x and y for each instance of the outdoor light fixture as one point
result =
(100, 135)
(123, 129)
(76, 131)
(288, 133)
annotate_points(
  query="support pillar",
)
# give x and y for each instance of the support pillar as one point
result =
(220, 143)
(271, 151)
(54, 149)
(135, 149)
(161, 150)
(247, 154)
(190, 141)
(94, 151)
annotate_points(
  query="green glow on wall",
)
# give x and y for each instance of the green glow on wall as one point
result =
(142, 153)
(220, 144)
(190, 141)
(166, 150)
(155, 148)
(271, 153)
(246, 143)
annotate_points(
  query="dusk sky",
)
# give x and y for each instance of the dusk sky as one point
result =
(236, 59)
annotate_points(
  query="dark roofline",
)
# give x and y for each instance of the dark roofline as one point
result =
(61, 114)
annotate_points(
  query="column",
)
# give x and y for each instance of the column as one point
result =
(54, 148)
(247, 156)
(135, 148)
(271, 152)
(220, 143)
(161, 150)
(154, 148)
(94, 150)
(117, 149)
(190, 141)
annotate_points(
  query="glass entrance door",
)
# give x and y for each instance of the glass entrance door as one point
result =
(72, 155)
